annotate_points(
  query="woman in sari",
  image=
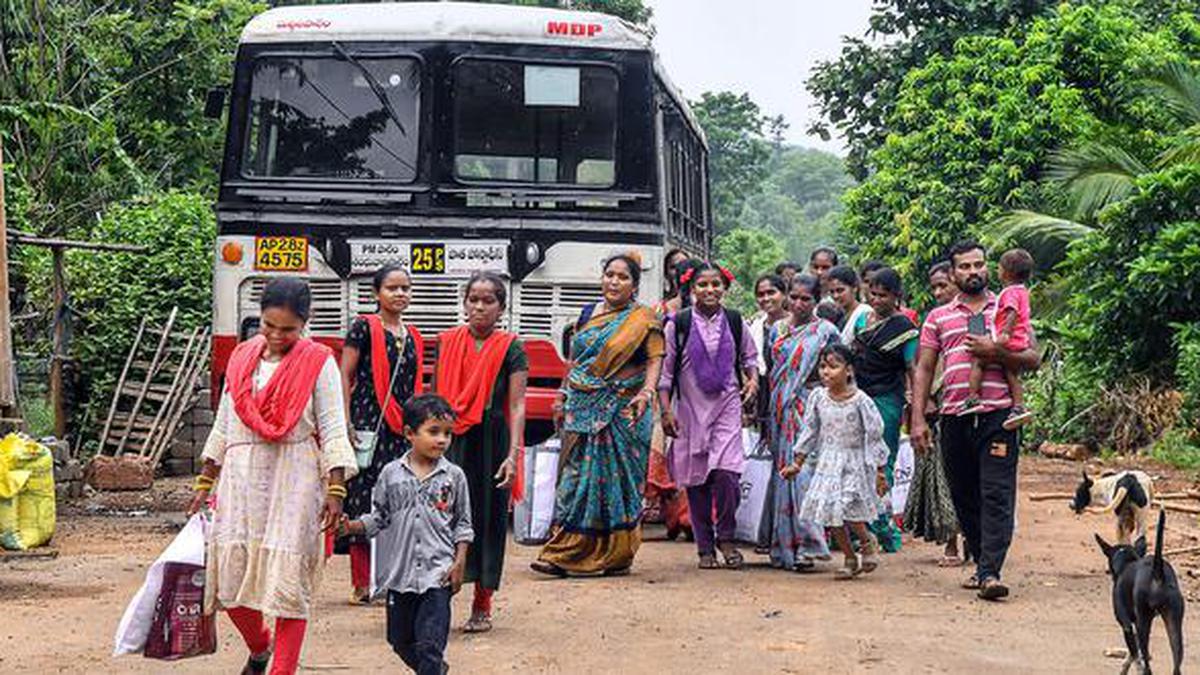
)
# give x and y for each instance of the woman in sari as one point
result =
(665, 501)
(795, 344)
(279, 457)
(616, 356)
(885, 348)
(380, 349)
(482, 371)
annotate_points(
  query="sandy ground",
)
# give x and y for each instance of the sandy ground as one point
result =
(58, 616)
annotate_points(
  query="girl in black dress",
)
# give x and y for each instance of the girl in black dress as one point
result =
(365, 374)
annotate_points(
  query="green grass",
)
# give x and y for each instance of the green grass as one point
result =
(1178, 448)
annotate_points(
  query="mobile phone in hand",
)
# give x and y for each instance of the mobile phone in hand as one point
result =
(976, 325)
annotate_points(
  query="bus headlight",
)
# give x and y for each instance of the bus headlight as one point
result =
(533, 254)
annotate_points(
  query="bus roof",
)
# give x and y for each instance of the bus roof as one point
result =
(434, 21)
(457, 21)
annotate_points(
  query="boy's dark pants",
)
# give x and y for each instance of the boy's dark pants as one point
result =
(981, 464)
(417, 627)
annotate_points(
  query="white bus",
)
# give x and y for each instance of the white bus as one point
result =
(450, 137)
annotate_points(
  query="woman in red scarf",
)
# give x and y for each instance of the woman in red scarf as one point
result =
(481, 370)
(279, 457)
(379, 348)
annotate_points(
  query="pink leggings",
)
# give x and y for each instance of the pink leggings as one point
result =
(289, 637)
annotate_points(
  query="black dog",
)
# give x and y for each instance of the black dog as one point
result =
(1144, 588)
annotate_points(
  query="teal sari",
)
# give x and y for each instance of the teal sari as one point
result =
(598, 505)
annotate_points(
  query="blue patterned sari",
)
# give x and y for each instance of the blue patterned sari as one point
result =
(794, 352)
(598, 506)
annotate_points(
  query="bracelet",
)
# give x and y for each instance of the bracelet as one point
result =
(203, 483)
(336, 490)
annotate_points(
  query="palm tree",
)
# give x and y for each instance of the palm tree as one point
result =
(1096, 175)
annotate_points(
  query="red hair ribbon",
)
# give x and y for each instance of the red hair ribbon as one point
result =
(687, 276)
(729, 278)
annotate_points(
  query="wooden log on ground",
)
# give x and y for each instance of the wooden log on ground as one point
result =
(1049, 496)
(31, 554)
(1182, 551)
(1181, 508)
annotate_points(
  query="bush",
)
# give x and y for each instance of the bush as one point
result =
(1187, 373)
(112, 292)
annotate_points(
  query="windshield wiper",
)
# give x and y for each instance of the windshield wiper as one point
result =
(373, 83)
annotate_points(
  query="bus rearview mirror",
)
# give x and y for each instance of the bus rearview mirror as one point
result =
(214, 102)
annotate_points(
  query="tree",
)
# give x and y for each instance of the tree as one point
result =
(748, 254)
(738, 152)
(857, 92)
(970, 133)
(1096, 175)
(800, 201)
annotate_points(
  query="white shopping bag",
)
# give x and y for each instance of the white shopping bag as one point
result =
(902, 475)
(188, 547)
(756, 477)
(533, 514)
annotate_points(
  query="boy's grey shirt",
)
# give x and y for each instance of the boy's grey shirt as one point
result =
(416, 524)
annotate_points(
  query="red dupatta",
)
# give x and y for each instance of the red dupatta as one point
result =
(466, 378)
(273, 411)
(381, 370)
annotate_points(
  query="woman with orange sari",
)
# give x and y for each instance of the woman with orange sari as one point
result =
(279, 457)
(616, 356)
(482, 371)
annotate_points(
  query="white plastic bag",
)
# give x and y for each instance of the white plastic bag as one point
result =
(755, 480)
(188, 547)
(902, 475)
(533, 515)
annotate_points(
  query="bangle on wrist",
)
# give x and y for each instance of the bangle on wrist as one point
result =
(336, 490)
(203, 483)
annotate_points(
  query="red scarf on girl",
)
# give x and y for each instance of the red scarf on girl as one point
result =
(381, 370)
(273, 411)
(465, 377)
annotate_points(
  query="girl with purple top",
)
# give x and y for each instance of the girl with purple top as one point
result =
(711, 370)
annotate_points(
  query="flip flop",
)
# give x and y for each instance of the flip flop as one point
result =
(478, 624)
(992, 589)
(869, 563)
(951, 561)
(708, 561)
(972, 583)
(547, 568)
(734, 560)
(257, 663)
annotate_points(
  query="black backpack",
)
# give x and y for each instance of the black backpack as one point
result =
(683, 326)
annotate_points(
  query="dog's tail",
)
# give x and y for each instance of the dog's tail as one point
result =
(1156, 568)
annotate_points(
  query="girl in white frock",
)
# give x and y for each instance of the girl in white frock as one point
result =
(843, 437)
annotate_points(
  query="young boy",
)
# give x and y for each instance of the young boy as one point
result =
(1011, 329)
(421, 513)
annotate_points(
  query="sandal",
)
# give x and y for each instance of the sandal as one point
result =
(992, 589)
(360, 596)
(257, 663)
(869, 563)
(548, 568)
(708, 561)
(972, 583)
(478, 623)
(951, 561)
(734, 560)
(850, 569)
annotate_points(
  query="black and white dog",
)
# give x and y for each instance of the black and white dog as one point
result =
(1144, 588)
(1128, 494)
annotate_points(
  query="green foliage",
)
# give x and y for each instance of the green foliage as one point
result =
(1178, 447)
(800, 201)
(738, 152)
(748, 254)
(1062, 392)
(971, 132)
(113, 292)
(1138, 275)
(1187, 372)
(858, 92)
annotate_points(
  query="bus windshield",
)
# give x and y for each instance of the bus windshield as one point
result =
(534, 123)
(333, 117)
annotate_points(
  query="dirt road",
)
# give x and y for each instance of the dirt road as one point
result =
(910, 616)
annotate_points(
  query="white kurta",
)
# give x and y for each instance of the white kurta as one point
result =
(265, 549)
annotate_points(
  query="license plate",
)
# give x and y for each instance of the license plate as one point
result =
(281, 254)
(428, 258)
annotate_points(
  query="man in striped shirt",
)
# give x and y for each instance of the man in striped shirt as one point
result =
(979, 454)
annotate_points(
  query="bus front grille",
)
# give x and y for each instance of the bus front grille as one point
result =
(541, 302)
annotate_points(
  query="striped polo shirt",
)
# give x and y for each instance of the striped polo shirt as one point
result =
(945, 331)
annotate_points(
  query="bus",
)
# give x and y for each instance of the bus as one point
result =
(450, 138)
